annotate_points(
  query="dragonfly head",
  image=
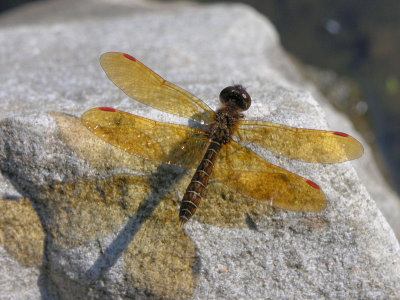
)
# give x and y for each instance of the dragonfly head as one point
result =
(235, 97)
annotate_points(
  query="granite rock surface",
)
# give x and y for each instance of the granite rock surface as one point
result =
(81, 218)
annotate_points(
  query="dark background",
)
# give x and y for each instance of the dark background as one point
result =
(360, 42)
(9, 4)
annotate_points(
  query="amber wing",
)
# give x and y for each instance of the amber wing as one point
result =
(241, 169)
(163, 142)
(142, 84)
(309, 145)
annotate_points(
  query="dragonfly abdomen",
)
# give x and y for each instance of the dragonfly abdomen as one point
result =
(197, 187)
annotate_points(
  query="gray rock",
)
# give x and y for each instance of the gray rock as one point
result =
(104, 217)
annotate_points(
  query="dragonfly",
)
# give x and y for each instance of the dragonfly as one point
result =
(216, 147)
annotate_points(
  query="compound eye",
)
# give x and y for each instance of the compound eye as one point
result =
(235, 96)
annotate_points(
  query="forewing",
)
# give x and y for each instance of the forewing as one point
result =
(244, 171)
(167, 143)
(142, 84)
(309, 145)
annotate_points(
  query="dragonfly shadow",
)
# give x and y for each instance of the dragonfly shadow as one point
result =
(138, 212)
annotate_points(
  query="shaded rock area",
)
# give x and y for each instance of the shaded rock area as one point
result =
(83, 219)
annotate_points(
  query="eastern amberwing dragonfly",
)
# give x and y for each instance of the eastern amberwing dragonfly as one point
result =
(211, 146)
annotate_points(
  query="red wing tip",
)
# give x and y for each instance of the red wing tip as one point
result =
(313, 184)
(107, 109)
(341, 133)
(129, 57)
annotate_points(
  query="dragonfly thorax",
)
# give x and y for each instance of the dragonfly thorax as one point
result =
(223, 125)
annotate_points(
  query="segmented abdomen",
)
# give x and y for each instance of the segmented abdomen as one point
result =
(197, 187)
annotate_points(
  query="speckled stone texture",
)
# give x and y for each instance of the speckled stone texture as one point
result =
(81, 218)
